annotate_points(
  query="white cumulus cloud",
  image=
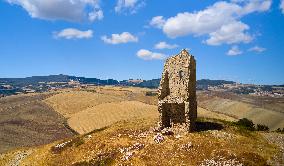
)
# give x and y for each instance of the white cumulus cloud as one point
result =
(124, 37)
(69, 10)
(130, 6)
(234, 51)
(282, 6)
(158, 22)
(72, 33)
(222, 18)
(250, 6)
(230, 33)
(149, 55)
(257, 49)
(96, 15)
(164, 45)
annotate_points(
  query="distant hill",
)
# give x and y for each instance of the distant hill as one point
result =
(154, 83)
(213, 82)
(34, 80)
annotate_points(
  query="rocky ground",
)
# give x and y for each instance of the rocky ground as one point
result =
(140, 143)
(277, 139)
(18, 157)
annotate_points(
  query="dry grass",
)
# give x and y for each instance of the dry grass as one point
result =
(131, 143)
(123, 138)
(129, 93)
(74, 101)
(203, 113)
(68, 103)
(97, 107)
(129, 140)
(106, 114)
(239, 109)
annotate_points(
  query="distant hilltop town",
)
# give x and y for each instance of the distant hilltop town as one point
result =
(12, 86)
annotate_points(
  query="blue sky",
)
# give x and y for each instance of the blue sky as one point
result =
(240, 40)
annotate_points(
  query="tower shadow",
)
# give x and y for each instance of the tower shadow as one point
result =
(204, 126)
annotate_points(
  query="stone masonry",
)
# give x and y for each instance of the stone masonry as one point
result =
(177, 92)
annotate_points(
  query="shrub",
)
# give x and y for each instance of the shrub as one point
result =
(260, 127)
(279, 130)
(245, 123)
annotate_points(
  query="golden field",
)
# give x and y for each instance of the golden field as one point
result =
(116, 126)
(98, 107)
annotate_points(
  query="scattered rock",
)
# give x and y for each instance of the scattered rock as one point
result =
(128, 155)
(16, 161)
(177, 136)
(167, 131)
(159, 138)
(89, 136)
(277, 139)
(157, 129)
(221, 161)
(137, 146)
(221, 134)
(128, 152)
(62, 144)
(187, 146)
(143, 135)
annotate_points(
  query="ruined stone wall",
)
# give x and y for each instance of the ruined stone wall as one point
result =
(177, 91)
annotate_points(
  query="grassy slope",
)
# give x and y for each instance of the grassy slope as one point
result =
(244, 107)
(134, 139)
(102, 106)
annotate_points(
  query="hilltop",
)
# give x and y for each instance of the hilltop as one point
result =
(136, 142)
(116, 125)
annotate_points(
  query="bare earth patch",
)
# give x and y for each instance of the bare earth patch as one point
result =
(25, 120)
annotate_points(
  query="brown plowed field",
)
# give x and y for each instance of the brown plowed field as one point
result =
(27, 121)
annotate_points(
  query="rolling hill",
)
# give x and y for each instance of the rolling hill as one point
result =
(116, 126)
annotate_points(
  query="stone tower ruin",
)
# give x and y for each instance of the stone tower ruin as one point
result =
(177, 92)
